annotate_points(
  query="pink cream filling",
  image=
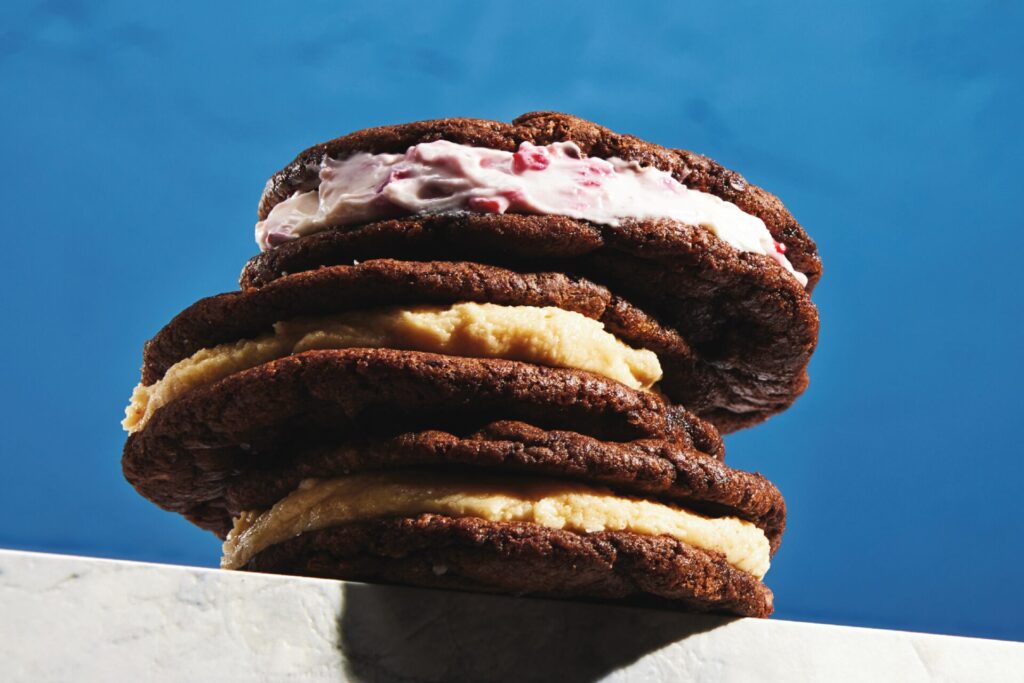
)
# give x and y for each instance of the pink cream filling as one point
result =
(556, 179)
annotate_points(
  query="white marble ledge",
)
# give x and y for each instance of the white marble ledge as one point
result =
(80, 619)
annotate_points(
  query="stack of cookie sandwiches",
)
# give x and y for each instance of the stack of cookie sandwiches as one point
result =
(493, 357)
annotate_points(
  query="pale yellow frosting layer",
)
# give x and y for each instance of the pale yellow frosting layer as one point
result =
(318, 504)
(545, 336)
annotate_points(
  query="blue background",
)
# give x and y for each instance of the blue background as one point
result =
(136, 141)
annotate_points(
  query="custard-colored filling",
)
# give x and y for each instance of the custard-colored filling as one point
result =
(545, 336)
(318, 504)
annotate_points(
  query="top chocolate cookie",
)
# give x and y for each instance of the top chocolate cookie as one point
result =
(542, 163)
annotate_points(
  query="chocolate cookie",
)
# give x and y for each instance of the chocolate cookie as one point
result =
(541, 128)
(234, 316)
(645, 468)
(703, 386)
(523, 559)
(724, 392)
(191, 447)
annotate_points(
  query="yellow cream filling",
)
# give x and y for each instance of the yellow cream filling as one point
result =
(318, 504)
(545, 336)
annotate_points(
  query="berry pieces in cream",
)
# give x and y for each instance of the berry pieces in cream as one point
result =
(556, 179)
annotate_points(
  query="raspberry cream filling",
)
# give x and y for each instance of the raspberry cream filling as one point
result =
(318, 504)
(541, 335)
(556, 179)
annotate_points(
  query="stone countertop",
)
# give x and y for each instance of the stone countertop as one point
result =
(68, 618)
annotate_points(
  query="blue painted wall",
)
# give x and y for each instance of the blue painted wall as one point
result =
(136, 140)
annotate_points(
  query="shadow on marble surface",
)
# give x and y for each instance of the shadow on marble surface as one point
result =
(389, 633)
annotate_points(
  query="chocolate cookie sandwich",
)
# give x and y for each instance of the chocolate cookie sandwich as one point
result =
(480, 474)
(718, 261)
(439, 376)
